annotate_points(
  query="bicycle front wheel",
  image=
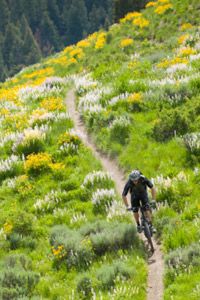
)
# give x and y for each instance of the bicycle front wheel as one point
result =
(147, 233)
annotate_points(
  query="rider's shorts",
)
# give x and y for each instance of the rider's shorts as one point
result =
(137, 202)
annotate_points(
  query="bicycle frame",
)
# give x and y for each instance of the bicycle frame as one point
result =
(146, 228)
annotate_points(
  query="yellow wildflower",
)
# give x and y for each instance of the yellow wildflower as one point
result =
(126, 42)
(135, 98)
(183, 38)
(141, 22)
(62, 60)
(83, 44)
(76, 53)
(7, 227)
(58, 252)
(68, 49)
(101, 40)
(56, 166)
(38, 73)
(186, 51)
(161, 9)
(92, 37)
(186, 26)
(130, 16)
(50, 104)
(37, 162)
(169, 62)
(132, 64)
(4, 111)
(163, 1)
(150, 4)
(73, 61)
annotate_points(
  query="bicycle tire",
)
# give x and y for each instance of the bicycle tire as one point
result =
(147, 233)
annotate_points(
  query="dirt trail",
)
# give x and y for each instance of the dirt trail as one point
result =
(155, 263)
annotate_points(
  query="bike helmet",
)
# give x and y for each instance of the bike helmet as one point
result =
(135, 175)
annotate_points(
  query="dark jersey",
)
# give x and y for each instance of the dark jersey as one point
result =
(138, 190)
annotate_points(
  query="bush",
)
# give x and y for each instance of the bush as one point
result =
(115, 236)
(17, 278)
(98, 179)
(171, 123)
(84, 288)
(70, 248)
(182, 260)
(101, 199)
(194, 85)
(30, 146)
(179, 234)
(37, 163)
(107, 274)
(120, 129)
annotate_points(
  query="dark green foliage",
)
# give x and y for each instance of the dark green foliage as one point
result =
(121, 7)
(171, 123)
(77, 253)
(33, 28)
(84, 288)
(4, 15)
(108, 273)
(17, 278)
(113, 237)
(182, 260)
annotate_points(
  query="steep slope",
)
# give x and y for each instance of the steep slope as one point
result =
(138, 93)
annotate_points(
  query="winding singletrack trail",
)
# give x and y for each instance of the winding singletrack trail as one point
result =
(155, 262)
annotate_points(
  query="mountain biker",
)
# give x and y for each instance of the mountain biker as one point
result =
(137, 186)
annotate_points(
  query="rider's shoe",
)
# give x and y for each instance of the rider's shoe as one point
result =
(139, 228)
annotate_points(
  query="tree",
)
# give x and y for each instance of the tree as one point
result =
(49, 38)
(2, 65)
(121, 7)
(30, 49)
(4, 15)
(76, 21)
(12, 47)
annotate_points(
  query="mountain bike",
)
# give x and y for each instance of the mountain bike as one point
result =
(146, 228)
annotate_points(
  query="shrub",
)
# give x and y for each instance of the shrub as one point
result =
(30, 146)
(171, 122)
(17, 278)
(9, 167)
(69, 143)
(192, 142)
(40, 162)
(182, 260)
(98, 179)
(107, 274)
(93, 228)
(70, 248)
(194, 85)
(162, 219)
(84, 288)
(115, 236)
(179, 234)
(101, 199)
(36, 163)
(120, 129)
(71, 184)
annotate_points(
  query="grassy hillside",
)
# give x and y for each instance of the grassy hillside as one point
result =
(138, 92)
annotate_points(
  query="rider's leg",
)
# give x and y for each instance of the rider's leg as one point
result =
(135, 204)
(137, 218)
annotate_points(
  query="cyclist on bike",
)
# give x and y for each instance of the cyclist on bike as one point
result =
(137, 186)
